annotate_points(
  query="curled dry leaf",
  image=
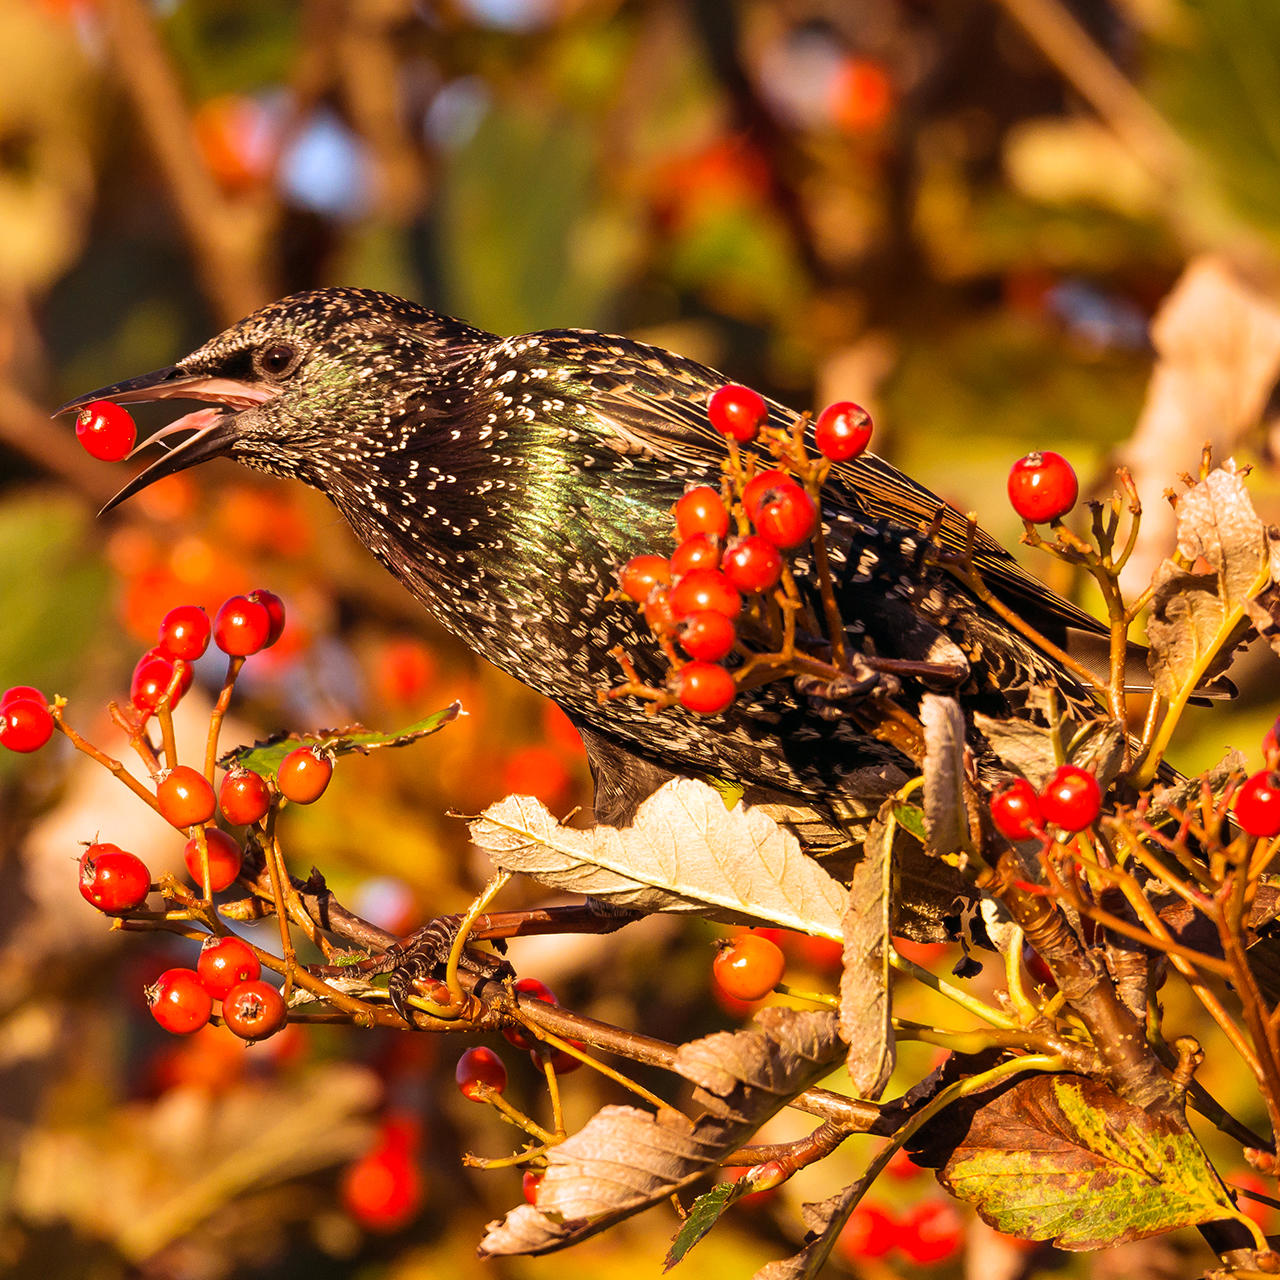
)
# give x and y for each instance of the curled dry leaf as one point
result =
(684, 852)
(945, 816)
(624, 1159)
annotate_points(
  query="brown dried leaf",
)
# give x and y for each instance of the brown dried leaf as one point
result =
(866, 1010)
(1022, 746)
(624, 1160)
(685, 852)
(946, 819)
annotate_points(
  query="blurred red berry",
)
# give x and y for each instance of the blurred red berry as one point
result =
(737, 412)
(254, 1010)
(185, 632)
(244, 797)
(705, 589)
(405, 670)
(241, 627)
(749, 966)
(706, 688)
(25, 725)
(224, 859)
(931, 1233)
(698, 552)
(561, 1063)
(786, 516)
(1257, 804)
(1270, 740)
(870, 1232)
(641, 574)
(843, 431)
(1042, 486)
(225, 962)
(185, 798)
(1071, 798)
(112, 880)
(530, 1183)
(537, 771)
(480, 1066)
(539, 991)
(106, 430)
(701, 511)
(1015, 809)
(303, 775)
(902, 1167)
(22, 693)
(275, 613)
(706, 635)
(752, 564)
(383, 1190)
(1035, 965)
(179, 1002)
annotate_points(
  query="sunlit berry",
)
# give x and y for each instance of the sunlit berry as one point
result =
(1257, 804)
(179, 1002)
(843, 431)
(1042, 486)
(752, 564)
(275, 612)
(705, 589)
(641, 574)
(224, 859)
(477, 1067)
(244, 797)
(242, 627)
(786, 516)
(749, 966)
(224, 962)
(529, 1184)
(737, 412)
(106, 430)
(705, 688)
(151, 679)
(112, 880)
(185, 632)
(706, 635)
(304, 774)
(698, 552)
(701, 511)
(1071, 798)
(762, 483)
(25, 725)
(22, 693)
(870, 1232)
(518, 1036)
(254, 1010)
(658, 613)
(185, 798)
(1015, 809)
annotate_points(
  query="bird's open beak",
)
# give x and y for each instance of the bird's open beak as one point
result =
(213, 431)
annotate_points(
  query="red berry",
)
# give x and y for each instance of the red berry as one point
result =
(657, 612)
(275, 612)
(706, 688)
(303, 775)
(1270, 740)
(224, 962)
(641, 574)
(254, 1010)
(480, 1066)
(188, 671)
(902, 1167)
(1015, 810)
(178, 1001)
(1071, 799)
(705, 589)
(530, 1183)
(1257, 804)
(749, 967)
(106, 430)
(786, 516)
(25, 725)
(698, 552)
(186, 799)
(752, 564)
(539, 991)
(244, 797)
(224, 859)
(241, 627)
(561, 1063)
(112, 880)
(22, 693)
(184, 633)
(701, 511)
(870, 1232)
(843, 431)
(151, 679)
(1035, 965)
(383, 1190)
(931, 1233)
(762, 483)
(1042, 486)
(707, 635)
(737, 412)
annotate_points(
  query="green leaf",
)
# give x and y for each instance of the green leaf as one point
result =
(703, 1215)
(1062, 1158)
(910, 818)
(265, 757)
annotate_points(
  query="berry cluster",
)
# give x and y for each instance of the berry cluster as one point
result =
(1070, 799)
(25, 721)
(229, 971)
(927, 1235)
(729, 568)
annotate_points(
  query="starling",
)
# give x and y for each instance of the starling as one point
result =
(504, 480)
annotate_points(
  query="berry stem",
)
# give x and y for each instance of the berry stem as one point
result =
(112, 766)
(138, 739)
(835, 623)
(513, 1115)
(202, 843)
(815, 997)
(216, 717)
(553, 1088)
(1027, 1009)
(277, 872)
(164, 713)
(617, 1077)
(990, 1015)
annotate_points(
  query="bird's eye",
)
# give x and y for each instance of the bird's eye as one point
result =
(276, 359)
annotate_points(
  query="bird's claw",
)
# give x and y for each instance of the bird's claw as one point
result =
(417, 964)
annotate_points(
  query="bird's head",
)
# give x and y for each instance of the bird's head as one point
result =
(302, 386)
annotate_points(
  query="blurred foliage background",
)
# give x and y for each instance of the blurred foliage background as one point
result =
(963, 213)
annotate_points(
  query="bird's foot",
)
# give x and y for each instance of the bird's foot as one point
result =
(417, 964)
(834, 699)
